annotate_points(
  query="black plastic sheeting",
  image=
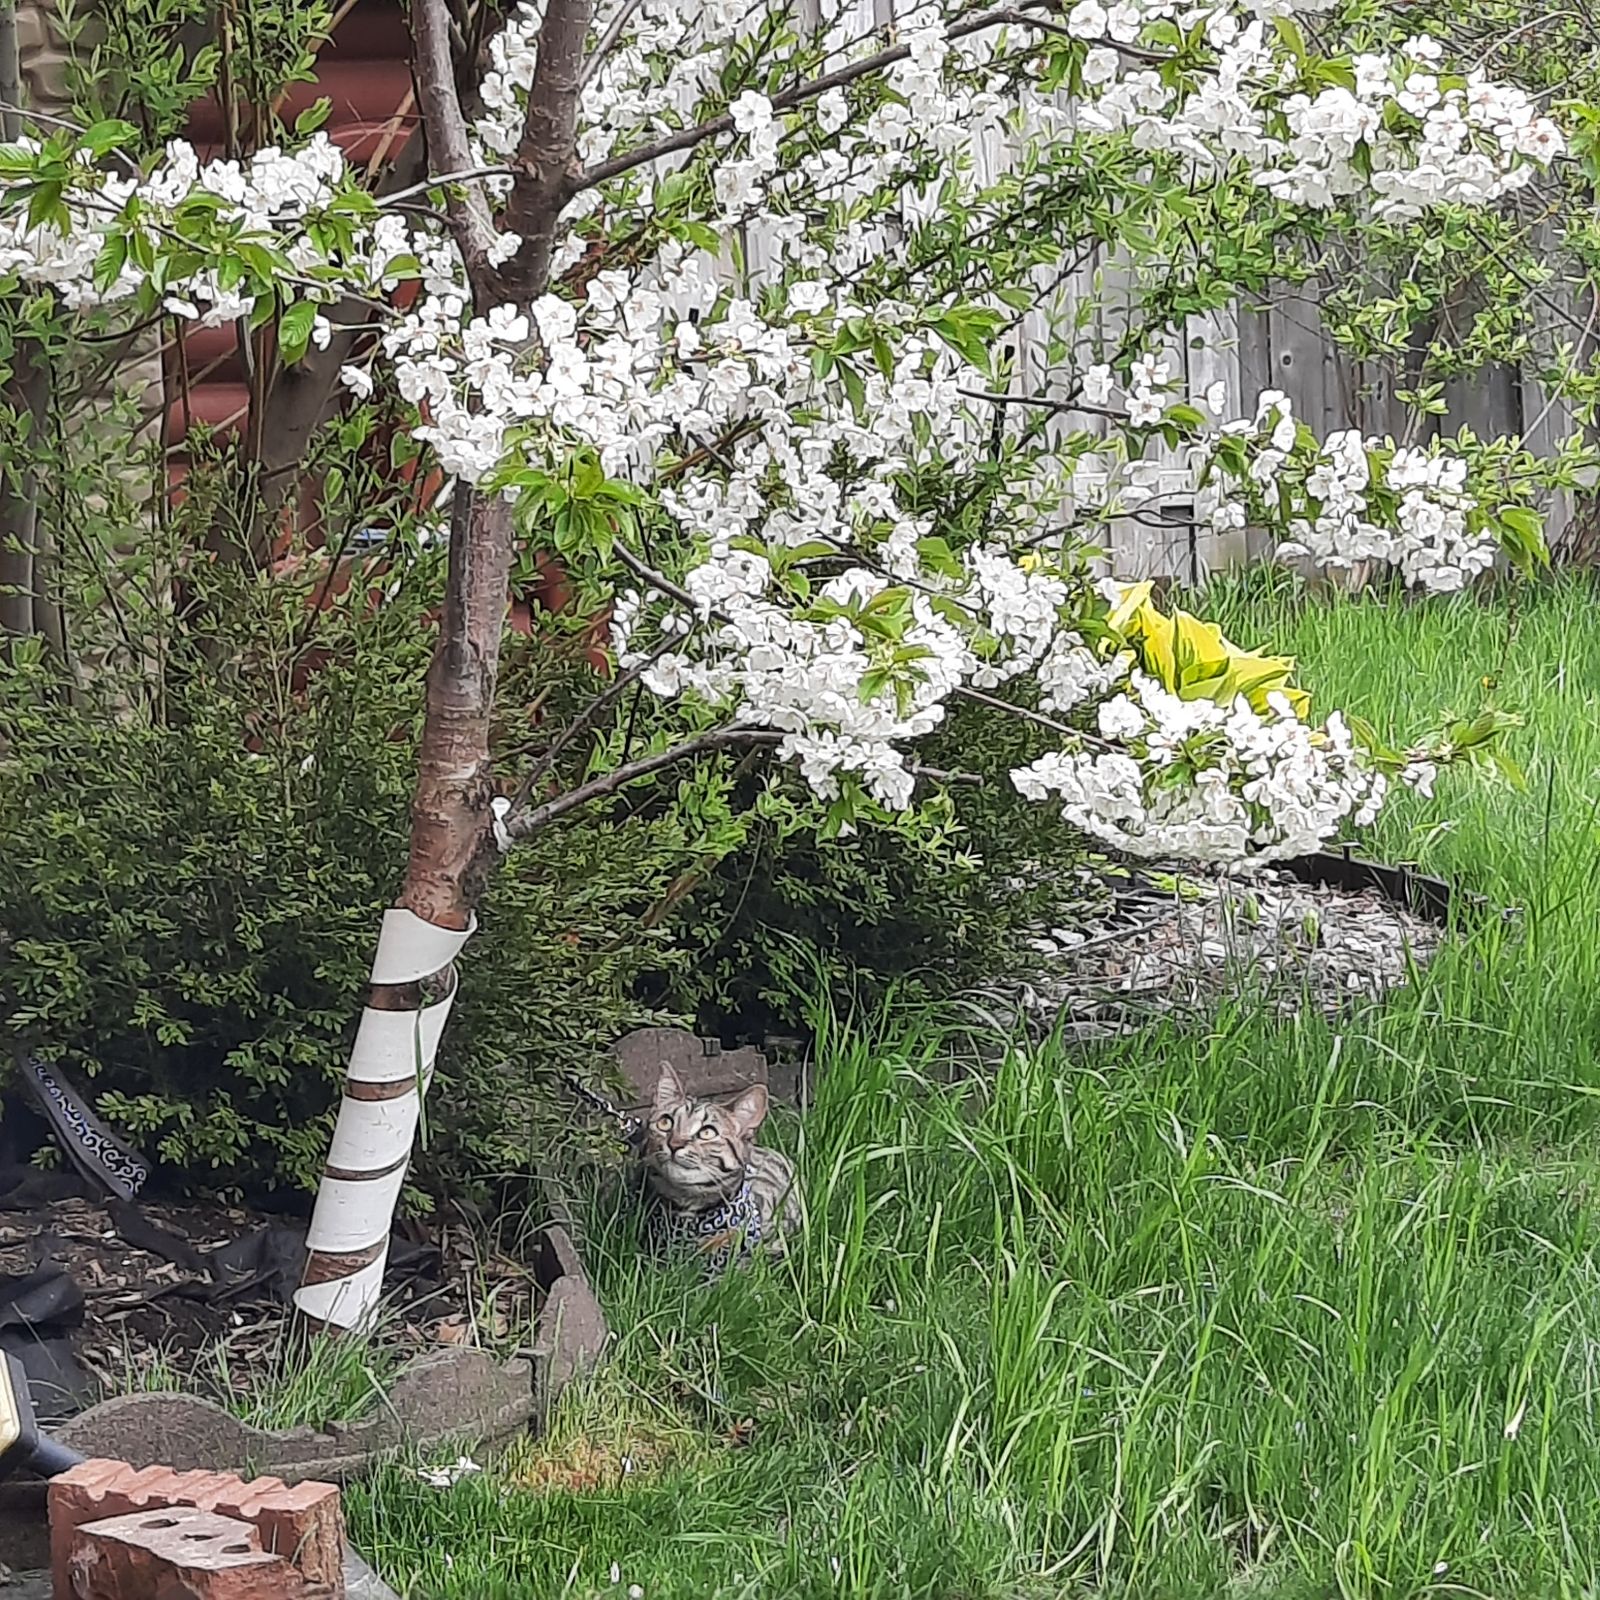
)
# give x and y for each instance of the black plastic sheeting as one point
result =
(41, 1310)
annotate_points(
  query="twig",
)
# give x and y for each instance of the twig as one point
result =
(12, 109)
(787, 99)
(971, 780)
(1044, 403)
(520, 823)
(607, 41)
(994, 703)
(590, 715)
(659, 580)
(467, 175)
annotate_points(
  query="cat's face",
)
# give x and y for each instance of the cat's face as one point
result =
(695, 1151)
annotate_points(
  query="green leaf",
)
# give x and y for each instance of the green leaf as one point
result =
(104, 137)
(854, 388)
(873, 683)
(969, 331)
(1294, 41)
(671, 190)
(1521, 531)
(312, 117)
(811, 550)
(1509, 770)
(937, 556)
(110, 262)
(294, 329)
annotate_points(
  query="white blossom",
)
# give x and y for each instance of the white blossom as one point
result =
(725, 404)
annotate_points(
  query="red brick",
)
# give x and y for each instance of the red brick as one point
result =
(175, 1553)
(303, 1524)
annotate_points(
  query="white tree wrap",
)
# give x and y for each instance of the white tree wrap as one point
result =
(391, 1064)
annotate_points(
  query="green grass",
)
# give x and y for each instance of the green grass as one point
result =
(307, 1382)
(1274, 1309)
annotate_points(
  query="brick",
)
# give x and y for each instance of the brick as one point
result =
(175, 1553)
(33, 30)
(304, 1525)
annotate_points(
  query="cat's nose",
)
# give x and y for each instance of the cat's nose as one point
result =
(676, 1144)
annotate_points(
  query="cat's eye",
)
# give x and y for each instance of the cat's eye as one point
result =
(708, 1132)
(664, 1124)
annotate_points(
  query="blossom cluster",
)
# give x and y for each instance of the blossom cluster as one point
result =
(1148, 377)
(766, 665)
(1198, 781)
(1348, 500)
(271, 199)
(1470, 143)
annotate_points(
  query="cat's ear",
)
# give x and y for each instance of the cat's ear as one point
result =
(669, 1093)
(750, 1109)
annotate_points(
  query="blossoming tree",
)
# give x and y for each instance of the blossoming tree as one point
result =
(711, 300)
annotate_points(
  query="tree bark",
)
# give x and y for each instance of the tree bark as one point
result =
(10, 73)
(546, 164)
(451, 844)
(305, 396)
(19, 502)
(413, 979)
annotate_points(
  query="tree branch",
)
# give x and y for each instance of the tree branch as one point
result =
(10, 74)
(546, 160)
(608, 41)
(787, 99)
(1044, 403)
(995, 703)
(449, 150)
(591, 714)
(466, 175)
(519, 824)
(659, 580)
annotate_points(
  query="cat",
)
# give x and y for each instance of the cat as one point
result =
(709, 1185)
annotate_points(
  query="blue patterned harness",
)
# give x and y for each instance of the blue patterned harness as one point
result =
(734, 1227)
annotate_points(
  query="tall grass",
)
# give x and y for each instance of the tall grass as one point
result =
(1281, 1307)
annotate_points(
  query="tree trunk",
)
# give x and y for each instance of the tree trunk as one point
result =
(303, 397)
(413, 975)
(453, 842)
(18, 500)
(24, 603)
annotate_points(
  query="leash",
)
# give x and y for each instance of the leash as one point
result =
(627, 1126)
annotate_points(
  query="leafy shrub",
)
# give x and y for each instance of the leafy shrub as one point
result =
(188, 923)
(919, 907)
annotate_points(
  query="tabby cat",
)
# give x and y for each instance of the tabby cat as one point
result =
(710, 1186)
